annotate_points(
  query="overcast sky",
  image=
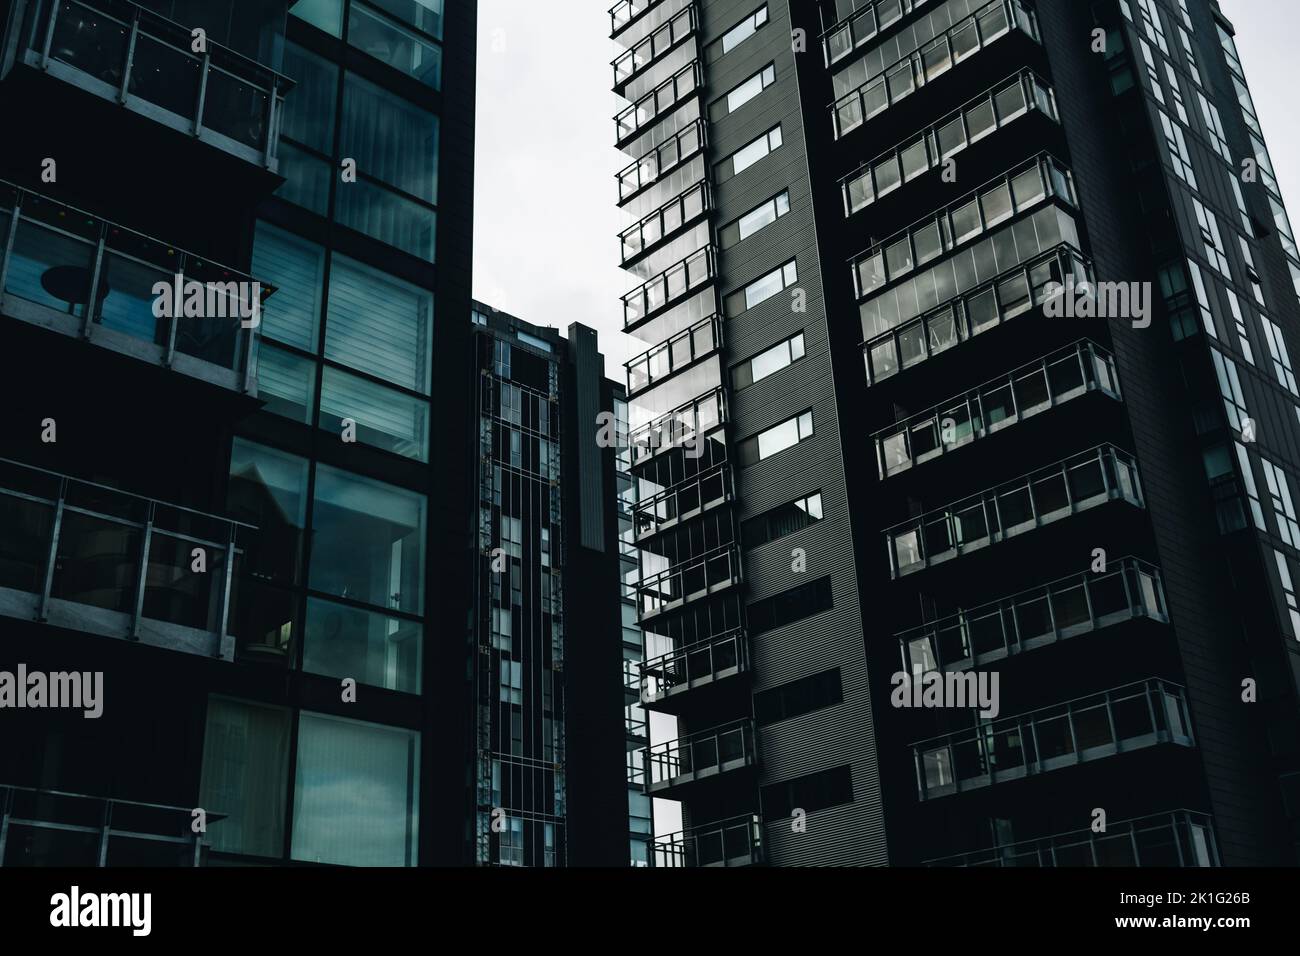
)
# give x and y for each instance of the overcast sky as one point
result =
(546, 220)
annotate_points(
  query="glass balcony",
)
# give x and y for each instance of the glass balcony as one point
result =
(684, 500)
(865, 23)
(1182, 838)
(646, 51)
(665, 221)
(128, 55)
(1078, 484)
(50, 828)
(986, 306)
(701, 756)
(690, 667)
(68, 271)
(625, 11)
(1038, 387)
(902, 78)
(1125, 719)
(684, 427)
(90, 558)
(688, 581)
(1079, 604)
(1017, 96)
(734, 842)
(658, 162)
(683, 349)
(663, 99)
(669, 287)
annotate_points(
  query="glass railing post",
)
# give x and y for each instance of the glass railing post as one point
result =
(272, 117)
(104, 830)
(52, 558)
(226, 592)
(11, 234)
(143, 575)
(130, 57)
(204, 70)
(169, 353)
(5, 799)
(95, 275)
(49, 35)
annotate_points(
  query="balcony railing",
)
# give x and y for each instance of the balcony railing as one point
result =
(864, 25)
(1182, 838)
(684, 427)
(127, 54)
(1079, 483)
(902, 78)
(63, 269)
(1121, 720)
(701, 663)
(90, 558)
(51, 828)
(664, 98)
(700, 756)
(1079, 604)
(625, 11)
(669, 287)
(1017, 96)
(668, 155)
(689, 580)
(652, 47)
(670, 218)
(665, 359)
(734, 842)
(1038, 387)
(693, 495)
(1012, 293)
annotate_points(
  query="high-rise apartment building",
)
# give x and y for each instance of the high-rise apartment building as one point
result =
(968, 331)
(291, 545)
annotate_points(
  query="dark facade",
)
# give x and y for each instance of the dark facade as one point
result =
(867, 443)
(265, 538)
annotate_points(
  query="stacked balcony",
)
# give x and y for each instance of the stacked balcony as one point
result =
(697, 761)
(734, 842)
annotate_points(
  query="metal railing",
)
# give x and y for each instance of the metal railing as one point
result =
(625, 11)
(654, 163)
(734, 842)
(688, 579)
(65, 268)
(669, 357)
(1120, 720)
(706, 753)
(684, 427)
(693, 494)
(1129, 589)
(124, 52)
(705, 660)
(53, 828)
(925, 65)
(664, 38)
(679, 212)
(861, 26)
(673, 284)
(1182, 838)
(1037, 387)
(82, 555)
(664, 98)
(1051, 494)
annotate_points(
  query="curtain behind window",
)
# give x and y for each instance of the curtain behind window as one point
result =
(379, 324)
(245, 776)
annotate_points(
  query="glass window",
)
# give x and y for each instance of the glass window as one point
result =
(325, 14)
(769, 285)
(764, 215)
(307, 179)
(384, 418)
(384, 215)
(246, 776)
(309, 110)
(390, 139)
(379, 324)
(424, 15)
(268, 488)
(296, 268)
(744, 30)
(371, 648)
(368, 541)
(356, 794)
(286, 382)
(751, 88)
(383, 39)
(751, 153)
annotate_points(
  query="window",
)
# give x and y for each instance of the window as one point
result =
(1234, 402)
(1179, 156)
(751, 88)
(783, 520)
(1211, 238)
(798, 697)
(816, 791)
(268, 488)
(246, 776)
(1281, 358)
(1284, 513)
(384, 418)
(325, 14)
(756, 219)
(366, 774)
(1288, 591)
(368, 541)
(392, 140)
(789, 606)
(296, 268)
(768, 362)
(375, 34)
(751, 153)
(374, 649)
(379, 324)
(1252, 491)
(1202, 299)
(308, 116)
(763, 288)
(424, 15)
(777, 438)
(1214, 123)
(286, 382)
(744, 30)
(1239, 320)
